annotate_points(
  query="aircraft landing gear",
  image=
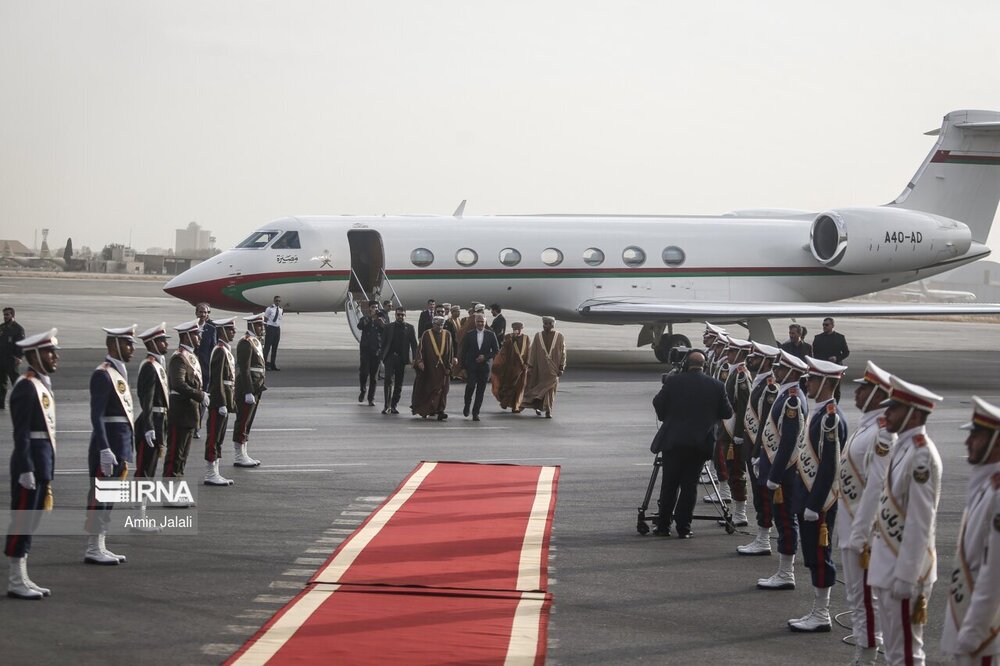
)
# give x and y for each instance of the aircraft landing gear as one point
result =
(667, 342)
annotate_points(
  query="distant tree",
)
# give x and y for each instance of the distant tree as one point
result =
(68, 252)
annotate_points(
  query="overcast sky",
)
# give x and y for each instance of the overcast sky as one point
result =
(127, 118)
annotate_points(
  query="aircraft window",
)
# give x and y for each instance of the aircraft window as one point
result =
(552, 256)
(466, 257)
(673, 256)
(593, 257)
(290, 241)
(633, 256)
(510, 257)
(258, 239)
(422, 257)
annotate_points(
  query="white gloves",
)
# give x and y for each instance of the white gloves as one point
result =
(205, 400)
(810, 515)
(27, 480)
(108, 462)
(903, 590)
(755, 463)
(968, 640)
(738, 441)
(249, 399)
(771, 485)
(223, 411)
(150, 436)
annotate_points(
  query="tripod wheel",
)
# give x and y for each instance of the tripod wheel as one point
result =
(730, 527)
(640, 526)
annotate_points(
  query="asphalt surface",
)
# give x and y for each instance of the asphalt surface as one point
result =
(618, 597)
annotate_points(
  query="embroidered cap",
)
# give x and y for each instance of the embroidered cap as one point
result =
(437, 320)
(818, 368)
(517, 325)
(45, 340)
(158, 331)
(736, 343)
(984, 415)
(767, 351)
(876, 376)
(228, 322)
(187, 327)
(713, 330)
(905, 393)
(548, 320)
(123, 333)
(792, 361)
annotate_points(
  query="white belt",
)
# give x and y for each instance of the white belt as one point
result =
(226, 382)
(158, 410)
(115, 419)
(38, 434)
(259, 371)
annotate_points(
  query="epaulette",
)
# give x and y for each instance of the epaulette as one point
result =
(831, 408)
(770, 380)
(30, 374)
(995, 480)
(919, 441)
(881, 422)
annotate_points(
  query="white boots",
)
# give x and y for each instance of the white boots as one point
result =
(818, 618)
(761, 545)
(241, 459)
(865, 656)
(19, 586)
(783, 578)
(212, 476)
(97, 553)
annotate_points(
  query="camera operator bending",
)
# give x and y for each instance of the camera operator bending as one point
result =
(690, 404)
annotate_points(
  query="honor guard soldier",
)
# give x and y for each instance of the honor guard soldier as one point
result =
(153, 393)
(763, 391)
(730, 444)
(221, 392)
(818, 470)
(863, 464)
(718, 351)
(708, 338)
(187, 395)
(972, 619)
(249, 387)
(903, 564)
(782, 437)
(112, 439)
(32, 462)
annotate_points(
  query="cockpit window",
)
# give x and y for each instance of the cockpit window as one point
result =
(258, 239)
(290, 241)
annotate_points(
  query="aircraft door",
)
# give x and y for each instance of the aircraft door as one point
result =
(367, 264)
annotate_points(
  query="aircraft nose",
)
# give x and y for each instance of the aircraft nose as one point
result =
(202, 283)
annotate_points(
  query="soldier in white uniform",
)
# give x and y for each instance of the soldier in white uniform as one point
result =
(972, 620)
(863, 464)
(903, 564)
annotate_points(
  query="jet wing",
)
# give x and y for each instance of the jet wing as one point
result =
(639, 311)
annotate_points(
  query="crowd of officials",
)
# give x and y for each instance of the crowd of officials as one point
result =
(769, 419)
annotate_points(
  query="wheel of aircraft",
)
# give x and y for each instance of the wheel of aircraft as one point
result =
(668, 342)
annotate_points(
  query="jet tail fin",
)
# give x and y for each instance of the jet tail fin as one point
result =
(960, 177)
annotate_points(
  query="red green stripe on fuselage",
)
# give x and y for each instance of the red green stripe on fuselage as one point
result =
(949, 157)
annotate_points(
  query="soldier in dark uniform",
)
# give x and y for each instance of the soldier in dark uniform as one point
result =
(206, 328)
(250, 370)
(221, 391)
(187, 395)
(729, 444)
(371, 326)
(781, 435)
(32, 462)
(10, 353)
(815, 502)
(153, 393)
(399, 345)
(112, 437)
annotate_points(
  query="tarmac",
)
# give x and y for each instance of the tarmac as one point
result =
(328, 461)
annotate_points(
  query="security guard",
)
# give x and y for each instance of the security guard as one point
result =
(153, 392)
(818, 469)
(783, 435)
(187, 395)
(221, 391)
(972, 619)
(903, 564)
(32, 462)
(249, 387)
(112, 438)
(863, 464)
(763, 391)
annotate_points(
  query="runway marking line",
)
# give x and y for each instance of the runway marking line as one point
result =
(453, 566)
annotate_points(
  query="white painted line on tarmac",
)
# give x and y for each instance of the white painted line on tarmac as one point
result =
(461, 427)
(321, 464)
(309, 560)
(291, 471)
(487, 460)
(299, 572)
(272, 599)
(285, 585)
(222, 649)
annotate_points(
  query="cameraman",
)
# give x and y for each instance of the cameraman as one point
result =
(690, 404)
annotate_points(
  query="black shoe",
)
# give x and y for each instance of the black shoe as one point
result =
(276, 368)
(475, 417)
(385, 411)
(371, 403)
(684, 534)
(361, 396)
(665, 532)
(442, 417)
(465, 411)
(393, 410)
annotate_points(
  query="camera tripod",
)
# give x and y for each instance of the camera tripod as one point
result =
(723, 511)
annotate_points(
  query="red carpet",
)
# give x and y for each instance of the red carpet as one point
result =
(452, 568)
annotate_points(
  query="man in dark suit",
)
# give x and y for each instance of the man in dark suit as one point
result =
(426, 318)
(499, 323)
(831, 346)
(478, 349)
(689, 404)
(399, 345)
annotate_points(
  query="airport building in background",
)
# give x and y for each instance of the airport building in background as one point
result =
(194, 241)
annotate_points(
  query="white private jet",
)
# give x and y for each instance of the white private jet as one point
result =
(741, 267)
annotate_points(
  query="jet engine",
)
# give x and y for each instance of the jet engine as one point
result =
(867, 241)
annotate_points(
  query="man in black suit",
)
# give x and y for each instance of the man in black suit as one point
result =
(399, 345)
(499, 323)
(831, 346)
(478, 349)
(426, 318)
(689, 404)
